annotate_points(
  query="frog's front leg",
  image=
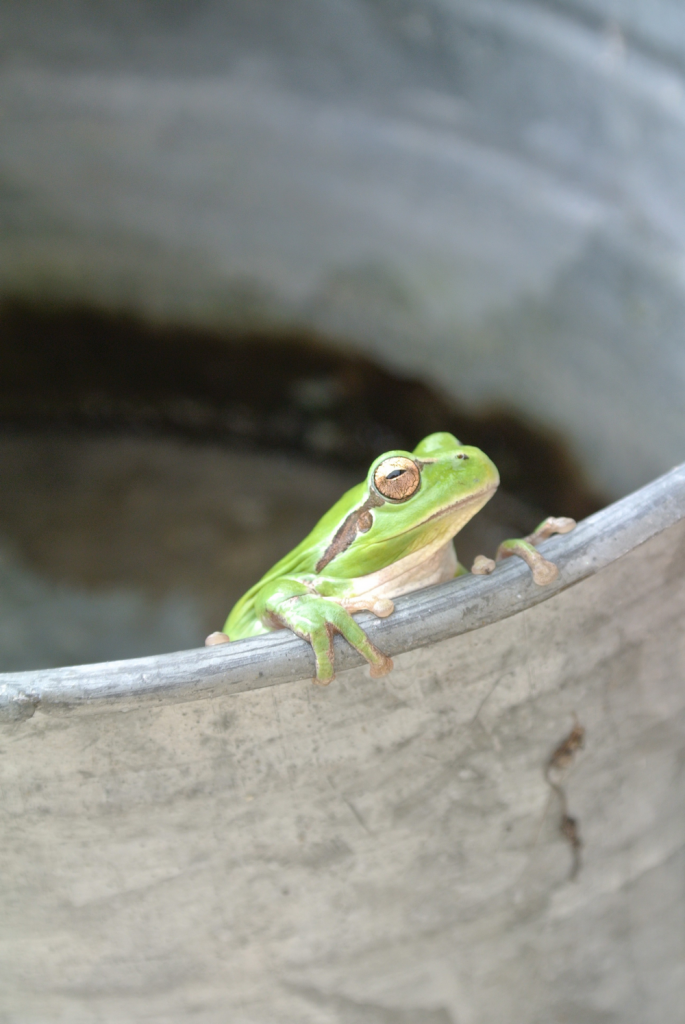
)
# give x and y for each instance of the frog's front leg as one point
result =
(543, 571)
(295, 603)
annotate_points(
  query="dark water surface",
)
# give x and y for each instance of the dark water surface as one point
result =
(149, 475)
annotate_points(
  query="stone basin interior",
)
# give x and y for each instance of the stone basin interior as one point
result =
(152, 474)
(245, 246)
(248, 246)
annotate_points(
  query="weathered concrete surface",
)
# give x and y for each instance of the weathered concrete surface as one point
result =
(377, 852)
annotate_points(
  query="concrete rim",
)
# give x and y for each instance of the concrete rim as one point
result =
(420, 619)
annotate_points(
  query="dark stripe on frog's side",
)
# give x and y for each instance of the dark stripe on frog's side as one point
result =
(358, 521)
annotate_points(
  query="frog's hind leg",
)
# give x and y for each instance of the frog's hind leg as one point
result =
(544, 572)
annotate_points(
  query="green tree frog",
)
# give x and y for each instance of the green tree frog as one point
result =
(385, 537)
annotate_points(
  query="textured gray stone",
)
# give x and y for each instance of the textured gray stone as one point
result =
(502, 180)
(206, 836)
(379, 851)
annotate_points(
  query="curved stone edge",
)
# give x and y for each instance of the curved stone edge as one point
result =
(420, 619)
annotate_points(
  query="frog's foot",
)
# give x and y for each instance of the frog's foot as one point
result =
(544, 572)
(380, 606)
(217, 638)
(483, 566)
(321, 639)
(550, 526)
(317, 621)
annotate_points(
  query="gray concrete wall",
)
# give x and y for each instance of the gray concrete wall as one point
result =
(379, 851)
(488, 194)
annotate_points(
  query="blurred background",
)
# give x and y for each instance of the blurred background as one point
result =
(248, 246)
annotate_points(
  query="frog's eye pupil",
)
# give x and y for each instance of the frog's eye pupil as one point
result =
(397, 478)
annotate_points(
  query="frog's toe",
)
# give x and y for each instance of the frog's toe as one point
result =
(549, 526)
(483, 566)
(321, 640)
(544, 572)
(217, 638)
(380, 606)
(381, 668)
(562, 524)
(383, 607)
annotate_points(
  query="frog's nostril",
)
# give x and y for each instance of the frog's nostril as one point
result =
(462, 455)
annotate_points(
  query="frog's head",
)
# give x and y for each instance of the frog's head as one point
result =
(437, 487)
(414, 499)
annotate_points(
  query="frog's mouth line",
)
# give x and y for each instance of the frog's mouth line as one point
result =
(347, 532)
(479, 496)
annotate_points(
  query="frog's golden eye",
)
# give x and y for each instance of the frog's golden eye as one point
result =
(397, 478)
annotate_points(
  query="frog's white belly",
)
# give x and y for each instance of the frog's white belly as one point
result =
(423, 568)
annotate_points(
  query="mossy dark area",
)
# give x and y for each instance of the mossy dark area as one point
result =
(92, 370)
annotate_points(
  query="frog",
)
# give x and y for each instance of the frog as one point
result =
(388, 536)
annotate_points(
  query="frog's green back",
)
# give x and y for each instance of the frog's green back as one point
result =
(242, 621)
